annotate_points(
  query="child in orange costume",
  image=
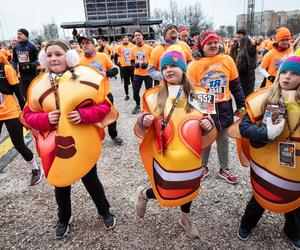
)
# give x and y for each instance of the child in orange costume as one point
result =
(168, 126)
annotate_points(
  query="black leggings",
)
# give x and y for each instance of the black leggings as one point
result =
(184, 208)
(127, 75)
(137, 84)
(254, 211)
(25, 81)
(112, 128)
(15, 131)
(94, 188)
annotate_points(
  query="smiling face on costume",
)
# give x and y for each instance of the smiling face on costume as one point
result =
(211, 48)
(289, 80)
(56, 59)
(172, 74)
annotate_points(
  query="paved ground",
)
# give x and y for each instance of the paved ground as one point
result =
(28, 214)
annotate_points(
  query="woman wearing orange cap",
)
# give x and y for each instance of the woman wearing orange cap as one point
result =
(11, 103)
(273, 59)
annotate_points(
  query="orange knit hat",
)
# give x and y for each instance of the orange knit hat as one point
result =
(282, 33)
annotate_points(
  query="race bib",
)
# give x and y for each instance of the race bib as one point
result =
(140, 57)
(215, 82)
(23, 56)
(126, 55)
(203, 102)
(287, 154)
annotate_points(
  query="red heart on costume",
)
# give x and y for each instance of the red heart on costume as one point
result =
(162, 139)
(46, 149)
(190, 133)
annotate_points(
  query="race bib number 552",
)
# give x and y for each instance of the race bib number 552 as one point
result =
(203, 102)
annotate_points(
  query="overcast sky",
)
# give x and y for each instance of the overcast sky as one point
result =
(31, 14)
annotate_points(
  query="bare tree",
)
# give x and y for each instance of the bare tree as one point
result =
(50, 31)
(293, 24)
(221, 31)
(36, 36)
(191, 16)
(230, 31)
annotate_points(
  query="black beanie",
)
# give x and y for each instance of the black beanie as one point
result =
(24, 31)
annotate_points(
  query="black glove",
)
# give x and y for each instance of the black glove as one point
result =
(137, 65)
(271, 78)
(144, 65)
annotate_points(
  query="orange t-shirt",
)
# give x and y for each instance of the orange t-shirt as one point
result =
(9, 106)
(100, 62)
(272, 61)
(158, 51)
(141, 55)
(214, 73)
(123, 52)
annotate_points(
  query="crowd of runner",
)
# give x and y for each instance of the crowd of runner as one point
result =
(61, 91)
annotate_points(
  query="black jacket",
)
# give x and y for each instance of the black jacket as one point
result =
(256, 133)
(224, 110)
(246, 68)
(22, 50)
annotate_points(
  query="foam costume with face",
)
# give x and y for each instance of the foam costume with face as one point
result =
(172, 158)
(275, 187)
(69, 150)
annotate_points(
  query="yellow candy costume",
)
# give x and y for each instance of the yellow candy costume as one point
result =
(69, 151)
(275, 187)
(173, 159)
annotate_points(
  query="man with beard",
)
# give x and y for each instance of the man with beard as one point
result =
(106, 67)
(169, 37)
(25, 58)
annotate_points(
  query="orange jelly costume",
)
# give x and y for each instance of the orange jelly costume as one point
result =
(69, 151)
(172, 158)
(275, 187)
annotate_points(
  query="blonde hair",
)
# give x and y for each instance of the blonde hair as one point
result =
(163, 94)
(273, 96)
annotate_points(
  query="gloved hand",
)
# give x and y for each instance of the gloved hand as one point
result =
(144, 65)
(274, 130)
(271, 78)
(137, 65)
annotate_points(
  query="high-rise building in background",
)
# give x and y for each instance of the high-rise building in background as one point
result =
(123, 11)
(266, 22)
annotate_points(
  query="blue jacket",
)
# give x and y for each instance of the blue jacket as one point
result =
(224, 111)
(25, 55)
(255, 133)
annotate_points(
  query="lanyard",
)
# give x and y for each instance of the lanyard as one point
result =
(291, 131)
(165, 122)
(54, 87)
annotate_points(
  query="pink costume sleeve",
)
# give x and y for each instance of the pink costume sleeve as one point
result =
(37, 120)
(94, 113)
